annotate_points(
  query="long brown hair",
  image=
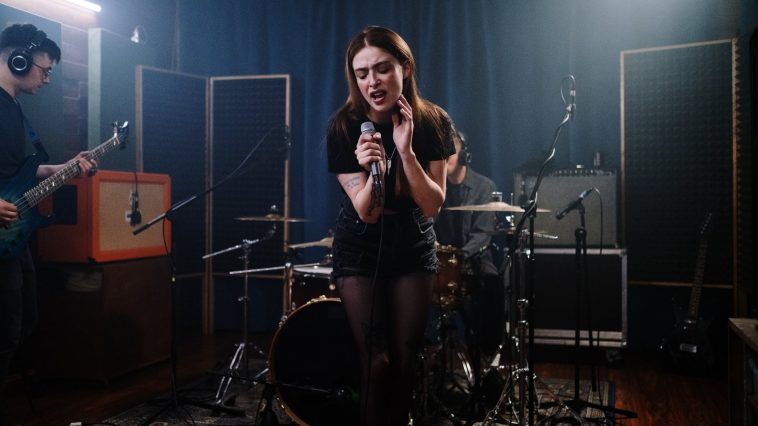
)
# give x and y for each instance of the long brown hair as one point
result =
(426, 115)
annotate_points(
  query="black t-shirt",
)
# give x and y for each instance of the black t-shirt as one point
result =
(12, 136)
(341, 155)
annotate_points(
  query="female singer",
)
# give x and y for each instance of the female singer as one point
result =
(384, 258)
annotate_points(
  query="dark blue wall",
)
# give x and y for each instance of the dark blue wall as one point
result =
(496, 66)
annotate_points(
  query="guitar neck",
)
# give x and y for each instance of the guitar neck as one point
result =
(697, 284)
(70, 170)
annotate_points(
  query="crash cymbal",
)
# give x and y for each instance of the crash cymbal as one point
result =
(324, 242)
(494, 206)
(271, 217)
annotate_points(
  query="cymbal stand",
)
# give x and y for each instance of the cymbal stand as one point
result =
(240, 357)
(523, 410)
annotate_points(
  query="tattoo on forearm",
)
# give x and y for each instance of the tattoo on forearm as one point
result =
(352, 183)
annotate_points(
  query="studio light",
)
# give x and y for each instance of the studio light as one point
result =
(87, 5)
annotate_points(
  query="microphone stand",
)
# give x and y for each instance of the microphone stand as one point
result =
(175, 402)
(582, 278)
(526, 301)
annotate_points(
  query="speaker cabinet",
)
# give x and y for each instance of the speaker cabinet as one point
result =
(605, 303)
(93, 218)
(561, 188)
(101, 321)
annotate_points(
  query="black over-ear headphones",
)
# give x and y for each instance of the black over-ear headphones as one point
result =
(464, 156)
(20, 60)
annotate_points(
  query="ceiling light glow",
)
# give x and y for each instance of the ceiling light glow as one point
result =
(87, 5)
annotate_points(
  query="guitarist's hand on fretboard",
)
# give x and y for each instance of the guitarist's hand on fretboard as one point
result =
(82, 161)
(8, 212)
(86, 164)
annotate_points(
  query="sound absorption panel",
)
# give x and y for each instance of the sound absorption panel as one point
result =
(171, 138)
(678, 139)
(100, 230)
(249, 117)
(558, 190)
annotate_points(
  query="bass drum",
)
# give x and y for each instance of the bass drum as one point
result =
(315, 366)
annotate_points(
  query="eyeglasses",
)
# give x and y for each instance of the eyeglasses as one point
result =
(46, 71)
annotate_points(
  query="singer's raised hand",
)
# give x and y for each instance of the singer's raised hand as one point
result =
(402, 120)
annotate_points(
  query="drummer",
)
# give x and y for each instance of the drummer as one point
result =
(471, 233)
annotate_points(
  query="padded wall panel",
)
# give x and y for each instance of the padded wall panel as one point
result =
(171, 138)
(678, 141)
(249, 117)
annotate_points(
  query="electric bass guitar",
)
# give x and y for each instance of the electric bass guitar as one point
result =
(25, 191)
(688, 346)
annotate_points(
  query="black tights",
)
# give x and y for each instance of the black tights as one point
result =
(400, 308)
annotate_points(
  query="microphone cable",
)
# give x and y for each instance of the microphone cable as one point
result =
(371, 330)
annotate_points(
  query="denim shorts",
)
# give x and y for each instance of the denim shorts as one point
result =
(407, 244)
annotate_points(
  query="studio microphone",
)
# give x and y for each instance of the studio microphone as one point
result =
(574, 204)
(572, 98)
(135, 216)
(368, 128)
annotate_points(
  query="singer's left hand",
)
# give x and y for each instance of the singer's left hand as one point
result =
(402, 120)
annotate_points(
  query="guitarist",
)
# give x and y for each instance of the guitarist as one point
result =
(27, 57)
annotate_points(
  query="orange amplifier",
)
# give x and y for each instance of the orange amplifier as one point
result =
(94, 218)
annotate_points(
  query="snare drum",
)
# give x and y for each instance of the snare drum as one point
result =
(311, 282)
(315, 365)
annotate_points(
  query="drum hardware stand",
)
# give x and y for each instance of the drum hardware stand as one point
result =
(525, 372)
(435, 372)
(431, 404)
(525, 406)
(240, 357)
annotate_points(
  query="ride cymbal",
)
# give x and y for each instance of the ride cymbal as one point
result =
(271, 217)
(494, 206)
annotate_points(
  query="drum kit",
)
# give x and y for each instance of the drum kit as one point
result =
(312, 363)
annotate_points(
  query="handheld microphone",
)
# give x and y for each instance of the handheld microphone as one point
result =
(368, 128)
(574, 204)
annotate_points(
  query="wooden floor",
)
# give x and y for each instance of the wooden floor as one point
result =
(657, 398)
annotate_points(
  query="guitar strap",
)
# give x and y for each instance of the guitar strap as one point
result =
(36, 141)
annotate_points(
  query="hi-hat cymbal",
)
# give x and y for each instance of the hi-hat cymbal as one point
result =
(494, 206)
(271, 217)
(324, 242)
